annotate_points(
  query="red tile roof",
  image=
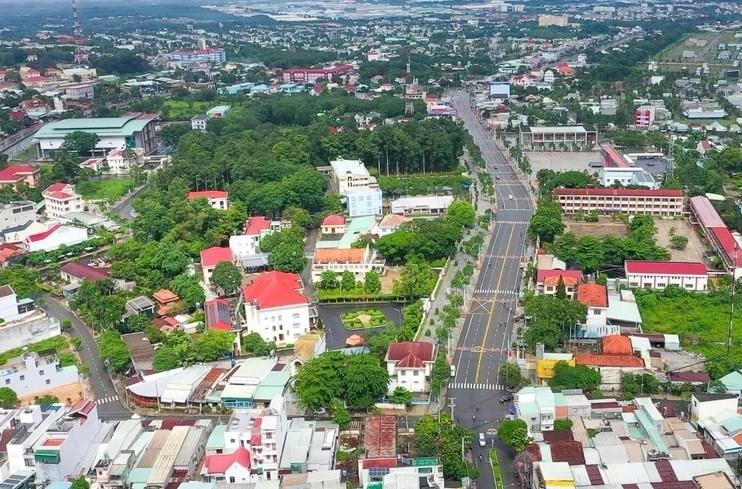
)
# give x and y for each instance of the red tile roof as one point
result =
(567, 451)
(339, 255)
(256, 224)
(665, 267)
(85, 272)
(164, 296)
(593, 295)
(17, 172)
(218, 464)
(380, 438)
(617, 345)
(728, 243)
(609, 360)
(275, 289)
(208, 194)
(411, 354)
(621, 192)
(705, 212)
(42, 236)
(333, 220)
(56, 187)
(210, 257)
(544, 274)
(689, 376)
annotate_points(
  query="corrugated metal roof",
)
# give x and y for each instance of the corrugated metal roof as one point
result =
(164, 464)
(152, 452)
(188, 451)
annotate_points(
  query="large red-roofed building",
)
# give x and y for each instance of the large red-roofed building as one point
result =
(211, 257)
(312, 75)
(13, 175)
(726, 244)
(218, 199)
(660, 274)
(410, 364)
(664, 202)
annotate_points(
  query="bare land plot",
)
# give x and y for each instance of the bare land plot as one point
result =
(695, 249)
(563, 161)
(605, 227)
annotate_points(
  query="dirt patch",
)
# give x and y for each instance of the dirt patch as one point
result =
(604, 227)
(563, 160)
(70, 393)
(387, 280)
(666, 228)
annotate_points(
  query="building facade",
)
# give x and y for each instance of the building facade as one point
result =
(218, 199)
(430, 205)
(644, 116)
(347, 174)
(546, 136)
(364, 201)
(189, 56)
(32, 373)
(410, 364)
(658, 275)
(628, 201)
(16, 213)
(54, 237)
(61, 198)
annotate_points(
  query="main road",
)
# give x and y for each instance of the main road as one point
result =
(487, 332)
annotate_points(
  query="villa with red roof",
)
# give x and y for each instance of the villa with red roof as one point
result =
(218, 199)
(595, 298)
(410, 364)
(232, 468)
(218, 315)
(333, 224)
(276, 308)
(61, 199)
(247, 245)
(13, 175)
(211, 257)
(54, 237)
(659, 274)
(548, 280)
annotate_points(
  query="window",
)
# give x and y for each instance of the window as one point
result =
(41, 372)
(48, 381)
(23, 377)
(231, 480)
(7, 381)
(402, 373)
(596, 312)
(297, 325)
(295, 315)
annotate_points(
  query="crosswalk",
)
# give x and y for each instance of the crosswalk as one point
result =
(106, 400)
(474, 386)
(510, 222)
(496, 292)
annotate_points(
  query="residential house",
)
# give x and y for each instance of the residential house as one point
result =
(706, 109)
(276, 308)
(364, 201)
(61, 199)
(537, 407)
(198, 122)
(83, 91)
(333, 224)
(430, 205)
(20, 174)
(166, 300)
(211, 257)
(617, 358)
(347, 174)
(54, 237)
(247, 245)
(232, 468)
(595, 298)
(390, 223)
(218, 112)
(705, 405)
(410, 364)
(121, 160)
(33, 373)
(15, 214)
(11, 308)
(218, 199)
(218, 315)
(548, 280)
(658, 275)
(19, 233)
(733, 382)
(76, 272)
(548, 76)
(644, 116)
(360, 261)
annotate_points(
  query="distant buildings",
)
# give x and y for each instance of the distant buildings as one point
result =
(191, 56)
(544, 137)
(200, 121)
(347, 174)
(302, 76)
(644, 116)
(717, 234)
(548, 20)
(15, 214)
(20, 174)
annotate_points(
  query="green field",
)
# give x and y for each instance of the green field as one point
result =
(111, 190)
(180, 110)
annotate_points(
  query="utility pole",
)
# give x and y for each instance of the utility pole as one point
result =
(451, 402)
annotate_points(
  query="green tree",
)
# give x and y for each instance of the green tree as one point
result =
(212, 345)
(366, 380)
(679, 242)
(114, 351)
(170, 134)
(80, 143)
(563, 425)
(546, 224)
(577, 377)
(167, 358)
(80, 483)
(461, 213)
(25, 281)
(416, 280)
(139, 322)
(372, 282)
(341, 416)
(510, 374)
(348, 281)
(8, 398)
(561, 289)
(328, 281)
(640, 383)
(189, 290)
(319, 382)
(227, 277)
(254, 344)
(440, 374)
(288, 257)
(514, 433)
(400, 395)
(46, 400)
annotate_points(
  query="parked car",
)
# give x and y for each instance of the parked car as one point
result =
(482, 440)
(506, 397)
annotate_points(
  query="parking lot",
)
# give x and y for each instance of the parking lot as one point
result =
(563, 161)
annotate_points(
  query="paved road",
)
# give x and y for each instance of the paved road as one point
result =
(109, 405)
(483, 345)
(124, 207)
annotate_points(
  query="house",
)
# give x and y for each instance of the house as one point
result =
(56, 236)
(218, 199)
(705, 405)
(537, 407)
(565, 70)
(247, 245)
(166, 300)
(218, 315)
(333, 224)
(364, 201)
(120, 161)
(8, 251)
(347, 174)
(276, 308)
(357, 260)
(12, 309)
(658, 275)
(595, 298)
(76, 272)
(16, 174)
(82, 91)
(33, 373)
(523, 81)
(198, 122)
(644, 116)
(61, 198)
(211, 257)
(430, 205)
(16, 213)
(409, 364)
(627, 176)
(617, 358)
(232, 468)
(548, 280)
(390, 223)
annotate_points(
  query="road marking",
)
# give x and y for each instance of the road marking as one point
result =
(106, 400)
(489, 321)
(496, 292)
(474, 386)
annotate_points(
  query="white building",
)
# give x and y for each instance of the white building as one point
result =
(61, 198)
(706, 405)
(198, 123)
(31, 374)
(364, 201)
(55, 237)
(627, 176)
(276, 308)
(211, 257)
(410, 364)
(548, 76)
(218, 199)
(347, 174)
(56, 441)
(658, 275)
(247, 245)
(433, 205)
(357, 260)
(595, 298)
(83, 91)
(537, 407)
(15, 214)
(11, 309)
(390, 223)
(120, 162)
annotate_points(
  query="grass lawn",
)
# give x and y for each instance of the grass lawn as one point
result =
(112, 189)
(701, 320)
(366, 318)
(180, 110)
(58, 343)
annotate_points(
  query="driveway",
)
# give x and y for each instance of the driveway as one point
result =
(109, 405)
(337, 333)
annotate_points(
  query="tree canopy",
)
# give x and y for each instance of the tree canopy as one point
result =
(574, 377)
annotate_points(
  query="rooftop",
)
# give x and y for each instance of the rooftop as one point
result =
(208, 194)
(609, 360)
(256, 224)
(103, 126)
(275, 289)
(665, 267)
(340, 255)
(380, 437)
(619, 192)
(593, 295)
(210, 257)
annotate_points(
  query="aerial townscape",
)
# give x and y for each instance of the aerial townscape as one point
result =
(384, 244)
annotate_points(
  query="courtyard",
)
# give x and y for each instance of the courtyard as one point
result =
(336, 332)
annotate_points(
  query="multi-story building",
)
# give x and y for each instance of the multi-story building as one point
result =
(84, 91)
(409, 364)
(218, 199)
(190, 56)
(357, 260)
(644, 116)
(537, 407)
(547, 20)
(546, 136)
(12, 309)
(23, 324)
(276, 308)
(16, 213)
(199, 122)
(610, 176)
(428, 205)
(211, 257)
(20, 174)
(61, 198)
(660, 274)
(218, 112)
(31, 374)
(312, 75)
(664, 202)
(717, 234)
(247, 245)
(595, 298)
(347, 174)
(364, 201)
(120, 161)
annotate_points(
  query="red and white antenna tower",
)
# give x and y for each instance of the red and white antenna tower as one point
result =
(81, 56)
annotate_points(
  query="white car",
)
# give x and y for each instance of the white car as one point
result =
(453, 370)
(510, 196)
(482, 440)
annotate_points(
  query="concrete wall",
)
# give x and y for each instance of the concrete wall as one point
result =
(30, 330)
